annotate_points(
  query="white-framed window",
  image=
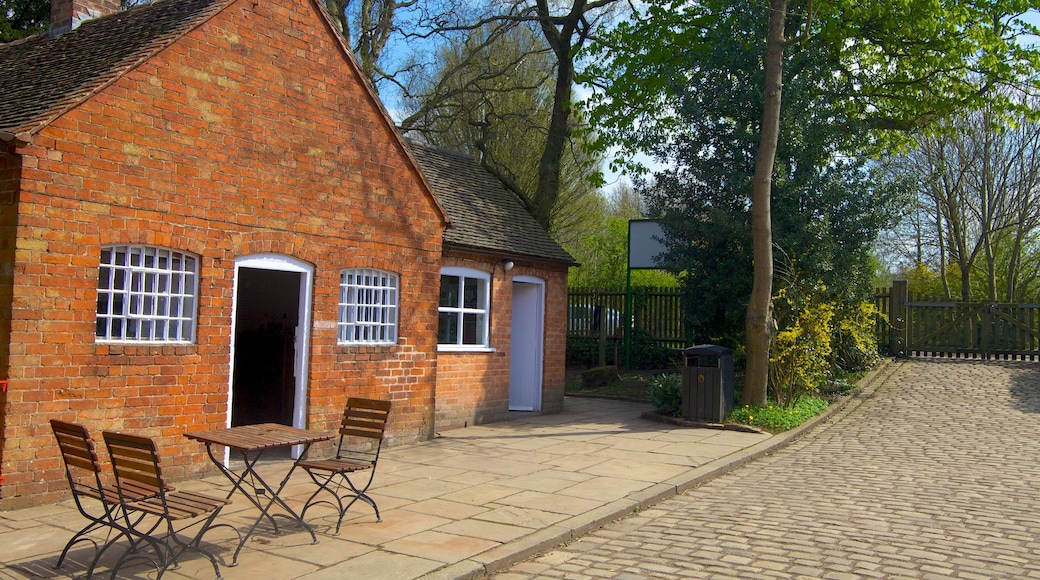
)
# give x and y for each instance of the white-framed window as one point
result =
(367, 307)
(146, 294)
(464, 309)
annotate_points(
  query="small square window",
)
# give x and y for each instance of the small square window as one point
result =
(463, 311)
(367, 307)
(136, 302)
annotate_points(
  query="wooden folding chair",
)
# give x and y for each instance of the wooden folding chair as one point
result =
(360, 440)
(135, 461)
(97, 502)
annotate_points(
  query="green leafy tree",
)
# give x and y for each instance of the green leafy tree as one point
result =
(21, 18)
(602, 245)
(889, 66)
(828, 210)
(493, 98)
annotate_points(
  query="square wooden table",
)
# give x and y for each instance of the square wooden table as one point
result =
(252, 441)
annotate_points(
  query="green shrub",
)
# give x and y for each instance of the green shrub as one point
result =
(855, 340)
(665, 394)
(800, 355)
(648, 354)
(585, 352)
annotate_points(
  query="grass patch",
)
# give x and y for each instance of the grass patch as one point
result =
(775, 419)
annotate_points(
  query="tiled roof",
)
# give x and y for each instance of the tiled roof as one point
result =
(41, 77)
(484, 214)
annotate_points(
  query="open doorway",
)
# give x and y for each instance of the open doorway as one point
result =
(266, 318)
(268, 354)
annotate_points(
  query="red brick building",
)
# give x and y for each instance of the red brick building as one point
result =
(519, 361)
(208, 218)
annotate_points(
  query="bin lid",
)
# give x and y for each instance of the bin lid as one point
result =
(711, 349)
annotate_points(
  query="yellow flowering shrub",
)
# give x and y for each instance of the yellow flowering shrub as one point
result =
(800, 356)
(855, 341)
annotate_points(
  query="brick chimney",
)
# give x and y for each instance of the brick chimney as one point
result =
(68, 14)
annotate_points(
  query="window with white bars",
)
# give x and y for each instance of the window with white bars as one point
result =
(146, 294)
(367, 307)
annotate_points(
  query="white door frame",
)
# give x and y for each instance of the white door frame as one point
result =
(538, 352)
(301, 360)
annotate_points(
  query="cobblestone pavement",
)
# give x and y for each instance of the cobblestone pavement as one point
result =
(933, 474)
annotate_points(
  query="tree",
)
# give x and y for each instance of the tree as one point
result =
(978, 205)
(601, 244)
(21, 18)
(894, 66)
(422, 28)
(828, 208)
(494, 100)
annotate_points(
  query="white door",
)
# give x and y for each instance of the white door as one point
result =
(525, 360)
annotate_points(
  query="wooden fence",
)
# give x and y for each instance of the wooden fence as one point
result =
(914, 326)
(909, 325)
(599, 314)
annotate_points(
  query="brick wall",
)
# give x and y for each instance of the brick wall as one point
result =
(473, 387)
(10, 166)
(250, 134)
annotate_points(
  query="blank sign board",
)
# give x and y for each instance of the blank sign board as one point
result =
(645, 244)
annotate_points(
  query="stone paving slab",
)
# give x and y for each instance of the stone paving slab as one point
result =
(468, 502)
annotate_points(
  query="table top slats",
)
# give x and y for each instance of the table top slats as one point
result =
(252, 438)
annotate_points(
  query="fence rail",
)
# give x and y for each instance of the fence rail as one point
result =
(909, 325)
(596, 318)
(918, 327)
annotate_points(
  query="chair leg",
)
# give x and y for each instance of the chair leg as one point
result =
(96, 523)
(361, 494)
(323, 486)
(80, 536)
(355, 495)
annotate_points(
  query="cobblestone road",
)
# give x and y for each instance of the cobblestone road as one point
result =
(934, 474)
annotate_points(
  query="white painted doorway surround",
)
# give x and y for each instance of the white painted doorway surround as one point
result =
(301, 343)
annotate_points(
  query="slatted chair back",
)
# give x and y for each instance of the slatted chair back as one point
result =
(97, 502)
(364, 419)
(135, 460)
(82, 467)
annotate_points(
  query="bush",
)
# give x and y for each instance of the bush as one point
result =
(665, 394)
(855, 339)
(800, 356)
(585, 352)
(648, 354)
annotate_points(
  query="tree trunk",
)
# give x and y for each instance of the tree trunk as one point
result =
(759, 320)
(559, 34)
(552, 156)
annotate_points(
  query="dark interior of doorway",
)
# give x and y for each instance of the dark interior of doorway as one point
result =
(266, 317)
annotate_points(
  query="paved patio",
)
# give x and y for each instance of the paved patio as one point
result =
(467, 502)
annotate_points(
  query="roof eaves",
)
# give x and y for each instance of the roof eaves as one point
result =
(510, 253)
(79, 97)
(17, 140)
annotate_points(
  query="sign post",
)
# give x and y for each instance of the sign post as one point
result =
(646, 245)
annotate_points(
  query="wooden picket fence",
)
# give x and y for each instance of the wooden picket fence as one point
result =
(909, 325)
(918, 327)
(599, 312)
